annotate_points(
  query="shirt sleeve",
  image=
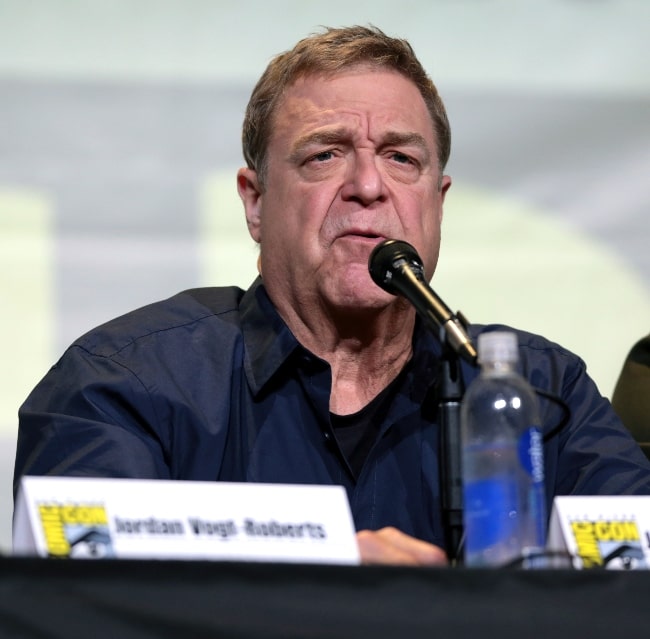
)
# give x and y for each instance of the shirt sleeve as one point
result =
(90, 416)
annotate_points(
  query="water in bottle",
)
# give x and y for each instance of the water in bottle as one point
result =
(504, 514)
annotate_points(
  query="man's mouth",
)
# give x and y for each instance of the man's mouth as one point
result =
(362, 235)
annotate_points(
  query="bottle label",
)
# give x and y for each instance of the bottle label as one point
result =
(531, 454)
(531, 451)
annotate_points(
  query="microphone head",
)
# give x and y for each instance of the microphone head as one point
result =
(388, 258)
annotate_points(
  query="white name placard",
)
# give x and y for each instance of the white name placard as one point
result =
(132, 518)
(610, 532)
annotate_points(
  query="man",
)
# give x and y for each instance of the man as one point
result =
(315, 374)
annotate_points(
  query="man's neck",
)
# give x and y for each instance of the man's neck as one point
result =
(356, 380)
(366, 350)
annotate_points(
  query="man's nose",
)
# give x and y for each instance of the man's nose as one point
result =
(364, 180)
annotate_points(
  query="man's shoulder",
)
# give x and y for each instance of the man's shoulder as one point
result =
(528, 341)
(537, 351)
(186, 312)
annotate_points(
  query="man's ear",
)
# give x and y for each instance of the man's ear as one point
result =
(445, 183)
(249, 191)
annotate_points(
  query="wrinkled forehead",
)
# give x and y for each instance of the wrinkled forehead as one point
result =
(356, 94)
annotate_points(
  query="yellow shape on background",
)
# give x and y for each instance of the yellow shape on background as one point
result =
(228, 254)
(26, 291)
(504, 261)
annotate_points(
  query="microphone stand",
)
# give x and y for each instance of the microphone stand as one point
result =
(396, 267)
(450, 393)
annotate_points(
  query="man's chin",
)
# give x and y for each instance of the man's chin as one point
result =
(363, 297)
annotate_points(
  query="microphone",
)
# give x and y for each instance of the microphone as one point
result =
(396, 267)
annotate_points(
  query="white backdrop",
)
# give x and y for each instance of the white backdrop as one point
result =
(120, 140)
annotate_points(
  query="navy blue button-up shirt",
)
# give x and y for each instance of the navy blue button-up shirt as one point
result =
(212, 385)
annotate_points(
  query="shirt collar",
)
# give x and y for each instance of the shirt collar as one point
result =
(268, 341)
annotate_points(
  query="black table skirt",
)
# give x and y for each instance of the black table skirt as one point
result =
(124, 599)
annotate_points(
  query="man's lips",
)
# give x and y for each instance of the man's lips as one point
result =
(370, 236)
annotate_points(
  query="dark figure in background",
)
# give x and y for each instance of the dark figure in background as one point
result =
(314, 374)
(631, 398)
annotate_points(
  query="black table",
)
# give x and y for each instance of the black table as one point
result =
(124, 599)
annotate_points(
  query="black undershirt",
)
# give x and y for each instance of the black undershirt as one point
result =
(356, 433)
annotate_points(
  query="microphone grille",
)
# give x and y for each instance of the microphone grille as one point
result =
(386, 260)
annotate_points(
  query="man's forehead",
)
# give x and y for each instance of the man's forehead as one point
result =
(318, 80)
(317, 100)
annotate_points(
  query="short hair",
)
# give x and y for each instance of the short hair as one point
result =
(330, 52)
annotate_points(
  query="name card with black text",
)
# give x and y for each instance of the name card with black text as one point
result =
(161, 519)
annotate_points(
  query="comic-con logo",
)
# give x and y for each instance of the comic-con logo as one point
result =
(75, 530)
(611, 543)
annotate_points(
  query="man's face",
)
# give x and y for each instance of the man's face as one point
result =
(351, 161)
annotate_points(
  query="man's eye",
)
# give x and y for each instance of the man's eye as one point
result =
(323, 156)
(401, 158)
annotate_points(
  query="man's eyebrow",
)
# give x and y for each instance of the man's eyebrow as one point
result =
(396, 138)
(325, 137)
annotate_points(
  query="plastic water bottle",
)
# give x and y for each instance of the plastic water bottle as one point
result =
(504, 513)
